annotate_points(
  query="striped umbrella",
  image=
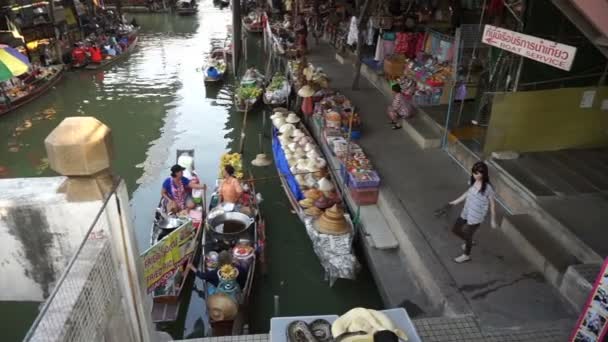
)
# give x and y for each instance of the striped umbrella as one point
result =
(12, 63)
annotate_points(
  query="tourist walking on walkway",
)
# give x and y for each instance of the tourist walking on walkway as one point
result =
(399, 108)
(477, 199)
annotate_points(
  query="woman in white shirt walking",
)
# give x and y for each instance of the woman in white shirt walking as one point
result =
(477, 199)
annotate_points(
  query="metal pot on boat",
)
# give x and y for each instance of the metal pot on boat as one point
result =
(169, 223)
(230, 223)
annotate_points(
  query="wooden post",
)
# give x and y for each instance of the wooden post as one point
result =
(236, 35)
(360, 24)
(242, 144)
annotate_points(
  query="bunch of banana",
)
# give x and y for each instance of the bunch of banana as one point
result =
(233, 159)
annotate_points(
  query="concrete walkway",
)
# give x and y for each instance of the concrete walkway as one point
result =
(498, 287)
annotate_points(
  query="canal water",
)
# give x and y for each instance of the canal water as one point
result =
(155, 102)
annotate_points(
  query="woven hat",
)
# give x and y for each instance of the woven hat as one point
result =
(299, 153)
(325, 185)
(309, 147)
(281, 110)
(313, 211)
(292, 118)
(297, 133)
(277, 115)
(286, 128)
(332, 222)
(278, 122)
(306, 91)
(261, 160)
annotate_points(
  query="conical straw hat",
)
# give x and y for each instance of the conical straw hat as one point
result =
(332, 222)
(261, 160)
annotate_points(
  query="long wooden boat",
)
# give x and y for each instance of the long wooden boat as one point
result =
(166, 304)
(237, 230)
(337, 264)
(186, 7)
(40, 88)
(274, 101)
(112, 60)
(248, 104)
(216, 67)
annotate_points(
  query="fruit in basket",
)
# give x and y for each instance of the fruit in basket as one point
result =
(228, 272)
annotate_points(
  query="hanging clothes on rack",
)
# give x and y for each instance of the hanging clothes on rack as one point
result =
(353, 32)
(370, 33)
(379, 55)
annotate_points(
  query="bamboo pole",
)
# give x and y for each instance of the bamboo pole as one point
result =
(242, 144)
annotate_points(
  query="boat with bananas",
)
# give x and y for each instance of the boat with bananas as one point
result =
(233, 249)
(250, 90)
(175, 242)
(314, 196)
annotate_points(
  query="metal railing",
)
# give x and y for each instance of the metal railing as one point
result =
(88, 297)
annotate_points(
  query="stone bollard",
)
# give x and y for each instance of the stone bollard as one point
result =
(80, 148)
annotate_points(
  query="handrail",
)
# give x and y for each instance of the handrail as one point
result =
(48, 301)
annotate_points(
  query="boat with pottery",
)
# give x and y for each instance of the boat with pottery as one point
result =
(216, 67)
(252, 22)
(250, 90)
(109, 60)
(277, 91)
(233, 249)
(175, 242)
(48, 77)
(186, 7)
(314, 196)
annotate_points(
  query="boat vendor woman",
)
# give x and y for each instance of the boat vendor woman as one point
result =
(177, 187)
(230, 189)
(477, 199)
(400, 108)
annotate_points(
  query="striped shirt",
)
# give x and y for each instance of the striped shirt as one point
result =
(400, 105)
(476, 204)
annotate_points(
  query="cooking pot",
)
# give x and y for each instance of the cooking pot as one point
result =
(230, 223)
(169, 223)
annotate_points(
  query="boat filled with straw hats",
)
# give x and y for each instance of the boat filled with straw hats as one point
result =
(313, 194)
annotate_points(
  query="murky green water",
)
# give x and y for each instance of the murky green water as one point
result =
(155, 102)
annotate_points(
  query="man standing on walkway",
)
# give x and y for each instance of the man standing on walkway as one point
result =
(477, 199)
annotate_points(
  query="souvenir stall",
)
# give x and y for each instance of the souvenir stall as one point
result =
(335, 117)
(427, 74)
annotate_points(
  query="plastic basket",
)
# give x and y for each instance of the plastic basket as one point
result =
(373, 182)
(366, 196)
